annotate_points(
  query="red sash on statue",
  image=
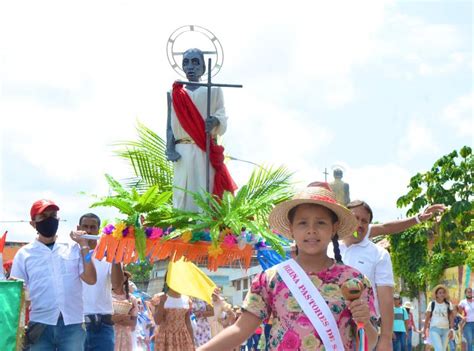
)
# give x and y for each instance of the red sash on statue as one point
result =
(193, 123)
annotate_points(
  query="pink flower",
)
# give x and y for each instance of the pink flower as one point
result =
(156, 233)
(291, 341)
(229, 240)
(304, 321)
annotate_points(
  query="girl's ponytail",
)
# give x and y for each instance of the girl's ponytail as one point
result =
(337, 252)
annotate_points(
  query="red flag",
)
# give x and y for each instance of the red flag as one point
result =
(2, 241)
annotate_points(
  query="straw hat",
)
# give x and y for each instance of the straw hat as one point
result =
(318, 194)
(407, 304)
(442, 286)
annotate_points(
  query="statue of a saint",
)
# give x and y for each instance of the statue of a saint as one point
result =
(186, 135)
(340, 188)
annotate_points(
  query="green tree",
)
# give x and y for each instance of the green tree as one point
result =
(140, 271)
(450, 181)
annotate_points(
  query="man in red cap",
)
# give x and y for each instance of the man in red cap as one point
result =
(53, 273)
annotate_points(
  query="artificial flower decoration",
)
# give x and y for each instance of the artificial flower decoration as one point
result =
(108, 229)
(187, 236)
(118, 231)
(215, 251)
(229, 240)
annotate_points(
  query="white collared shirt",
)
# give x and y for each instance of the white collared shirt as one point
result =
(52, 278)
(371, 260)
(98, 297)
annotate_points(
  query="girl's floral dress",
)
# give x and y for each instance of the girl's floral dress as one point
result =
(202, 333)
(292, 330)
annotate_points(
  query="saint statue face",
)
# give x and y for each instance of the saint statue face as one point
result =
(193, 64)
(337, 173)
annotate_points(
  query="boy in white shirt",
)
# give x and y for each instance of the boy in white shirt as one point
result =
(97, 298)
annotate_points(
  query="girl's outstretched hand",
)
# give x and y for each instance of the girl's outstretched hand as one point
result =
(360, 311)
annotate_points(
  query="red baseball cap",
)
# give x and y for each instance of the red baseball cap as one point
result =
(41, 205)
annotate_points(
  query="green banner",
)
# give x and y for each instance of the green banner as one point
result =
(11, 295)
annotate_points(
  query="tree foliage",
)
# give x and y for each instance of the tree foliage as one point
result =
(450, 182)
(140, 271)
(409, 253)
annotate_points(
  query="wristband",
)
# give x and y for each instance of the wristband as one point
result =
(417, 219)
(85, 247)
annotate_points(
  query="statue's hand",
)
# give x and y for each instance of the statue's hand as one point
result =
(173, 155)
(211, 123)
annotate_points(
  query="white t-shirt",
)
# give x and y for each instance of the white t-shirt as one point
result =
(371, 260)
(52, 277)
(468, 308)
(98, 297)
(439, 317)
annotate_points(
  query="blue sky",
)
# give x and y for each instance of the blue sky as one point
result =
(383, 88)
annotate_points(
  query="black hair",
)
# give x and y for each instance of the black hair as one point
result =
(127, 275)
(335, 238)
(337, 252)
(90, 215)
(165, 286)
(357, 203)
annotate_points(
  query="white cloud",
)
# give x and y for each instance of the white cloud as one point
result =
(417, 140)
(429, 49)
(459, 115)
(380, 186)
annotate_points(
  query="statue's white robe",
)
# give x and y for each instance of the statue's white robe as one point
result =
(190, 169)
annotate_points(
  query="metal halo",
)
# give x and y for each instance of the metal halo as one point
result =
(338, 166)
(218, 51)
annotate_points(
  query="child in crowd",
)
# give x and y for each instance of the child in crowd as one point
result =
(313, 219)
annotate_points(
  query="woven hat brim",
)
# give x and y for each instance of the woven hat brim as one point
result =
(280, 223)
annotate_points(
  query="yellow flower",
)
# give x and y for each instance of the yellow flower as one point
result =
(215, 251)
(292, 305)
(187, 236)
(310, 342)
(117, 233)
(331, 290)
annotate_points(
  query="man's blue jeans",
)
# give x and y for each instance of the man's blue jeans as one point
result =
(468, 333)
(399, 341)
(61, 337)
(101, 338)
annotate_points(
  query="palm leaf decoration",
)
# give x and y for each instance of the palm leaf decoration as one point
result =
(133, 204)
(148, 160)
(247, 210)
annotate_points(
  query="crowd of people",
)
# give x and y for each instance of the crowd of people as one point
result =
(68, 288)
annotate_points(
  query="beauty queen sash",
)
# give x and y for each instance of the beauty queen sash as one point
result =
(312, 303)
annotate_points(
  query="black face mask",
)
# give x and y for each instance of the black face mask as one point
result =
(48, 227)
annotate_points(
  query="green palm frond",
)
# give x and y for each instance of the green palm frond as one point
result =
(132, 203)
(147, 158)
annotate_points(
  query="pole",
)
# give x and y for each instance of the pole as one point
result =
(208, 132)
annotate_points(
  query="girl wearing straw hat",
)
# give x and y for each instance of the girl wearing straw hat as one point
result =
(439, 319)
(304, 297)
